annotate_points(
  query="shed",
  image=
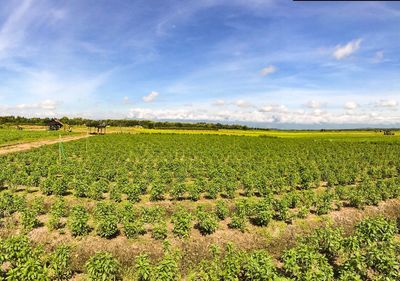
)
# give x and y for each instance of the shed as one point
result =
(97, 128)
(54, 124)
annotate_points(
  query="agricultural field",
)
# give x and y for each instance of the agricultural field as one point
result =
(157, 205)
(9, 136)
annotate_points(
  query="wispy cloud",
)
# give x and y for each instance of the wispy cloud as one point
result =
(387, 103)
(314, 104)
(150, 97)
(219, 103)
(242, 103)
(268, 70)
(126, 100)
(350, 105)
(12, 30)
(342, 51)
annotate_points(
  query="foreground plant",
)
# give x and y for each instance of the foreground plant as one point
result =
(103, 267)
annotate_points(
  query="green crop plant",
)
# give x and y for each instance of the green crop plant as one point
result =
(103, 267)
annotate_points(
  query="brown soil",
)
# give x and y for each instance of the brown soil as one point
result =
(29, 145)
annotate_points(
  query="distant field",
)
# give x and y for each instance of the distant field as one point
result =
(13, 136)
(348, 135)
(328, 135)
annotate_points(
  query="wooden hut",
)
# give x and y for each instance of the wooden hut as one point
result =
(388, 133)
(55, 124)
(97, 128)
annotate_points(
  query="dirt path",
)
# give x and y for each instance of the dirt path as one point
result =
(34, 144)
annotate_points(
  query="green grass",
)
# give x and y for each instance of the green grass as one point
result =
(14, 136)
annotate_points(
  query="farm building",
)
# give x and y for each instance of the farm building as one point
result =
(55, 124)
(388, 133)
(98, 128)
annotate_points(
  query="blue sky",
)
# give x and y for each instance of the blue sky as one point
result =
(268, 61)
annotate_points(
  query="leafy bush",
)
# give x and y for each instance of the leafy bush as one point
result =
(231, 264)
(143, 268)
(167, 269)
(281, 210)
(29, 219)
(106, 219)
(356, 199)
(238, 221)
(57, 211)
(221, 209)
(107, 227)
(157, 192)
(377, 229)
(59, 186)
(194, 192)
(259, 266)
(10, 203)
(115, 194)
(212, 190)
(263, 212)
(324, 203)
(31, 270)
(60, 263)
(182, 221)
(134, 229)
(133, 192)
(178, 191)
(103, 267)
(328, 241)
(304, 263)
(159, 231)
(207, 222)
(95, 191)
(46, 185)
(38, 206)
(78, 221)
(79, 188)
(152, 214)
(22, 261)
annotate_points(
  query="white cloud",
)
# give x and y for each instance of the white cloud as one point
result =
(219, 103)
(273, 108)
(344, 51)
(350, 105)
(126, 100)
(313, 104)
(42, 108)
(278, 114)
(242, 103)
(150, 97)
(389, 103)
(268, 70)
(267, 108)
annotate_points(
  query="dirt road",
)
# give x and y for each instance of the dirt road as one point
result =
(34, 144)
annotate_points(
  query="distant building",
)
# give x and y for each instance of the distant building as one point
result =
(99, 128)
(54, 124)
(388, 133)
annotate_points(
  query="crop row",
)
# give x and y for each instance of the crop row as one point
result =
(109, 218)
(370, 253)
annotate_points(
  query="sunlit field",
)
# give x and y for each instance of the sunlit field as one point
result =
(169, 205)
(13, 136)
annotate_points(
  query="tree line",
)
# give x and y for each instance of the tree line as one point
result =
(20, 120)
